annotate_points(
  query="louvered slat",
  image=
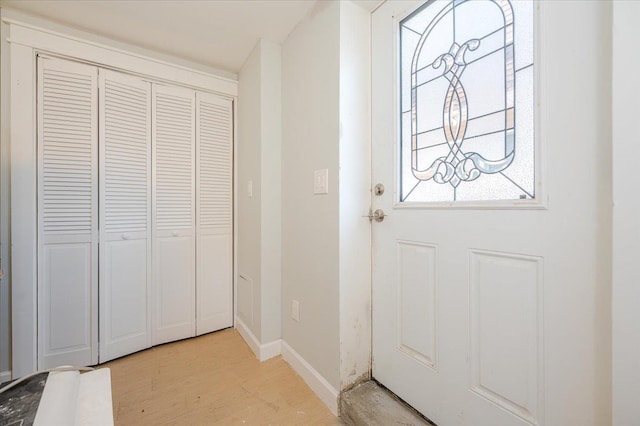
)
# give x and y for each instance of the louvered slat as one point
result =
(214, 162)
(126, 165)
(68, 150)
(174, 145)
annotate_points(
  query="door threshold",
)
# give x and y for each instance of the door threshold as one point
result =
(372, 404)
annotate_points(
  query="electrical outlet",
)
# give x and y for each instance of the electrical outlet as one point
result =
(321, 181)
(295, 310)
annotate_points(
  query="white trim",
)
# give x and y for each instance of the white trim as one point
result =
(42, 39)
(320, 386)
(248, 337)
(5, 376)
(262, 351)
(270, 350)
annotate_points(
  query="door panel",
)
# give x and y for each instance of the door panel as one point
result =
(492, 312)
(214, 281)
(214, 189)
(123, 289)
(67, 213)
(67, 305)
(125, 214)
(173, 214)
(174, 289)
(417, 301)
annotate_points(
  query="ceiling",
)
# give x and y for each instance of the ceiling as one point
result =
(215, 33)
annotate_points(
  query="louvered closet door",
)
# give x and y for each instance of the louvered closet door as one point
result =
(173, 213)
(125, 214)
(214, 243)
(67, 213)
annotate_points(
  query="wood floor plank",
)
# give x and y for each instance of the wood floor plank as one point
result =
(211, 379)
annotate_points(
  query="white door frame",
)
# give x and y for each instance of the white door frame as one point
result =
(24, 42)
(626, 216)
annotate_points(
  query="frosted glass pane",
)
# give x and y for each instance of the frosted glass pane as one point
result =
(524, 159)
(523, 17)
(485, 124)
(489, 188)
(429, 190)
(429, 106)
(488, 44)
(490, 146)
(440, 40)
(427, 156)
(469, 26)
(409, 42)
(434, 137)
(467, 101)
(484, 84)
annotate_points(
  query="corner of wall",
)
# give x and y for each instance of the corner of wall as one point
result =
(271, 177)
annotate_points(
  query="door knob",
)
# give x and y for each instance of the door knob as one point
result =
(175, 233)
(377, 215)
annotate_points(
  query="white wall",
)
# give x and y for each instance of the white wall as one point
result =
(326, 238)
(626, 215)
(249, 208)
(310, 223)
(259, 215)
(271, 190)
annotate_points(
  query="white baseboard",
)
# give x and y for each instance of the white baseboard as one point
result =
(270, 350)
(263, 351)
(316, 382)
(5, 376)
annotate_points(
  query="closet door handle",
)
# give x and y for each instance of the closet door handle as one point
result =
(125, 236)
(175, 233)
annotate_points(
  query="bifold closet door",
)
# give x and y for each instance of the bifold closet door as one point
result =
(214, 241)
(125, 214)
(67, 213)
(173, 213)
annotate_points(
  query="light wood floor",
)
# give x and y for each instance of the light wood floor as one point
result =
(212, 379)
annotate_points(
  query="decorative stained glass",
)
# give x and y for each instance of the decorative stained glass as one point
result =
(467, 101)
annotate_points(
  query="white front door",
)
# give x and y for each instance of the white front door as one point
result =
(490, 267)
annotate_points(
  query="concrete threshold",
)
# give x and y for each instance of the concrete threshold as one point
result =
(371, 404)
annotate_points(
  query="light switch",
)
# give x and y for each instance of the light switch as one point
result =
(250, 189)
(321, 181)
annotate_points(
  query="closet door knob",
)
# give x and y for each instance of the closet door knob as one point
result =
(125, 236)
(175, 233)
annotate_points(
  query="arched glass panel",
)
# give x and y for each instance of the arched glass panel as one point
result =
(467, 101)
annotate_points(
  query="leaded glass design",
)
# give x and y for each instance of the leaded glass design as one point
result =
(467, 101)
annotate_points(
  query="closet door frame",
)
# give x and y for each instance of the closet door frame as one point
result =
(21, 42)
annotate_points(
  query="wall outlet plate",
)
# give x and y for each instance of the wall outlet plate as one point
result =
(321, 181)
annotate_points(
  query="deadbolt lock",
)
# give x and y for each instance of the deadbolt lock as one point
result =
(378, 189)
